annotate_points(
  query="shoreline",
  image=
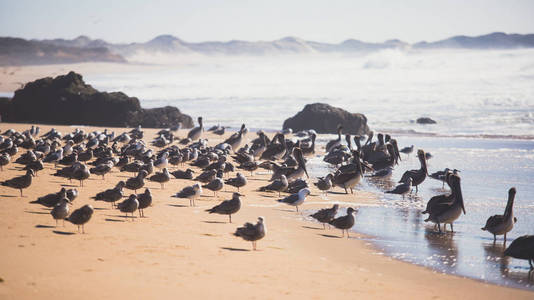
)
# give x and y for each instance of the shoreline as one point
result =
(191, 247)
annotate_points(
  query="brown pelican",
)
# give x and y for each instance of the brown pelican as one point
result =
(333, 143)
(297, 198)
(227, 207)
(326, 215)
(292, 173)
(344, 222)
(501, 224)
(20, 182)
(279, 185)
(311, 149)
(522, 248)
(388, 161)
(448, 212)
(418, 176)
(349, 180)
(275, 150)
(251, 232)
(235, 140)
(194, 134)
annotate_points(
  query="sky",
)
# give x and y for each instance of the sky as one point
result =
(324, 21)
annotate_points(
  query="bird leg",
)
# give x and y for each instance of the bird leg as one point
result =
(348, 234)
(439, 227)
(230, 217)
(452, 228)
(297, 208)
(83, 229)
(21, 192)
(505, 238)
(56, 222)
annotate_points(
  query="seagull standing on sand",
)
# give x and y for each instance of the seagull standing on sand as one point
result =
(296, 199)
(137, 182)
(251, 232)
(326, 215)
(279, 185)
(81, 216)
(239, 181)
(61, 210)
(111, 195)
(20, 182)
(227, 207)
(145, 200)
(191, 193)
(161, 177)
(215, 185)
(403, 188)
(129, 205)
(345, 222)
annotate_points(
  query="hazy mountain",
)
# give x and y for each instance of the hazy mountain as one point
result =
(82, 48)
(496, 40)
(15, 51)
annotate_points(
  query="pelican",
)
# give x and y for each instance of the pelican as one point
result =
(349, 180)
(194, 134)
(502, 224)
(275, 150)
(448, 212)
(333, 143)
(291, 173)
(418, 176)
(522, 248)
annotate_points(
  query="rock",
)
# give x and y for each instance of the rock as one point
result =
(67, 100)
(4, 106)
(425, 120)
(324, 118)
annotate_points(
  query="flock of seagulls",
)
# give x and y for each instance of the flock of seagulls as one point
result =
(284, 157)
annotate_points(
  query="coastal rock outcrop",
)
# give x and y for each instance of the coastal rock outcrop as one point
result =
(68, 100)
(425, 120)
(325, 118)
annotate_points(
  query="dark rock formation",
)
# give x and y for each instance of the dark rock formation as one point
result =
(68, 100)
(425, 120)
(324, 118)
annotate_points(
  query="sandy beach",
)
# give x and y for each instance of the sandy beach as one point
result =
(179, 251)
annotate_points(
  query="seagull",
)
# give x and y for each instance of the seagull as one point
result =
(239, 181)
(163, 161)
(325, 183)
(279, 185)
(81, 173)
(135, 183)
(191, 193)
(161, 177)
(129, 205)
(227, 207)
(145, 200)
(20, 182)
(251, 232)
(61, 210)
(4, 160)
(102, 169)
(111, 195)
(81, 216)
(326, 215)
(403, 188)
(215, 185)
(51, 200)
(296, 199)
(345, 222)
(187, 174)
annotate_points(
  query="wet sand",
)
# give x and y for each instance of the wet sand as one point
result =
(181, 251)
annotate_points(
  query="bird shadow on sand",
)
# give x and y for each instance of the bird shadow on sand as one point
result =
(235, 249)
(316, 228)
(286, 210)
(101, 208)
(63, 232)
(70, 185)
(330, 236)
(9, 196)
(37, 212)
(257, 179)
(338, 193)
(44, 226)
(270, 196)
(113, 220)
(177, 205)
(214, 222)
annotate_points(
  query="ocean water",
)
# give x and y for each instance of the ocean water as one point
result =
(483, 102)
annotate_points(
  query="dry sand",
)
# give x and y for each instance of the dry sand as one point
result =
(183, 252)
